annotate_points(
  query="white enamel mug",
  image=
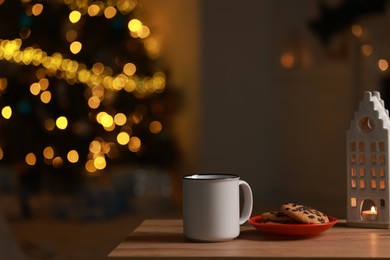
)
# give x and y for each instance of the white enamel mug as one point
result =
(211, 206)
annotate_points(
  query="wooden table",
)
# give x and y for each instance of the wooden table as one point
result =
(156, 238)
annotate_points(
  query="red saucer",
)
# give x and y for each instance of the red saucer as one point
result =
(292, 230)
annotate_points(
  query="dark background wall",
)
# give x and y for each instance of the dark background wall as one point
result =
(281, 129)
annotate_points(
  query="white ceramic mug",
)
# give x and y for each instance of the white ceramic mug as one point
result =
(211, 206)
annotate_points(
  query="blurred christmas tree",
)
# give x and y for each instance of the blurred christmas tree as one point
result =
(81, 88)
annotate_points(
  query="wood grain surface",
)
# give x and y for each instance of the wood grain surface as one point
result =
(157, 238)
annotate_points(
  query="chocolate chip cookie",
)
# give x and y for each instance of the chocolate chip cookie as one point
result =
(276, 217)
(304, 214)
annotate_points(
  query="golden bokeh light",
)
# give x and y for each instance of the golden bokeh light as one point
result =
(287, 60)
(90, 167)
(143, 32)
(98, 68)
(107, 120)
(109, 128)
(35, 89)
(155, 127)
(1, 153)
(75, 47)
(84, 75)
(73, 156)
(120, 119)
(95, 146)
(109, 12)
(356, 30)
(126, 6)
(100, 162)
(123, 138)
(48, 152)
(74, 16)
(98, 91)
(134, 144)
(106, 147)
(383, 64)
(93, 10)
(37, 9)
(74, 72)
(129, 69)
(6, 112)
(62, 122)
(158, 81)
(119, 82)
(43, 83)
(94, 102)
(58, 162)
(102, 82)
(40, 73)
(3, 84)
(134, 25)
(130, 86)
(31, 159)
(46, 97)
(367, 50)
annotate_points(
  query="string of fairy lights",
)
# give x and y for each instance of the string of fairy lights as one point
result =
(99, 78)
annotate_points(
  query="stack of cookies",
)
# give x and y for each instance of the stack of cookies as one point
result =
(292, 213)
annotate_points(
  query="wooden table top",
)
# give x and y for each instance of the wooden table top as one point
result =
(163, 238)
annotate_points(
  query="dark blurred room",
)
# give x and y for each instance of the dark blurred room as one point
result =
(106, 104)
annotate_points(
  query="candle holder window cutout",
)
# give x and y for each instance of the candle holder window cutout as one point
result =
(368, 164)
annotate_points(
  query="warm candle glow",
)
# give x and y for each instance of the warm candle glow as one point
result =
(370, 215)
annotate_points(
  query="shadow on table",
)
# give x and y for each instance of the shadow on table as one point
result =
(260, 236)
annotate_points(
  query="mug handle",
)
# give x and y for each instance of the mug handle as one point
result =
(248, 202)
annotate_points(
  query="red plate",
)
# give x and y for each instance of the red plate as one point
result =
(291, 230)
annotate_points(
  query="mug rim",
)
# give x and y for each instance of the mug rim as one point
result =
(219, 176)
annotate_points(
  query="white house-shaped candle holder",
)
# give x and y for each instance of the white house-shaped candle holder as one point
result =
(368, 164)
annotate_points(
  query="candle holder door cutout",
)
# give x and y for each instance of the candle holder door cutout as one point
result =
(368, 164)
